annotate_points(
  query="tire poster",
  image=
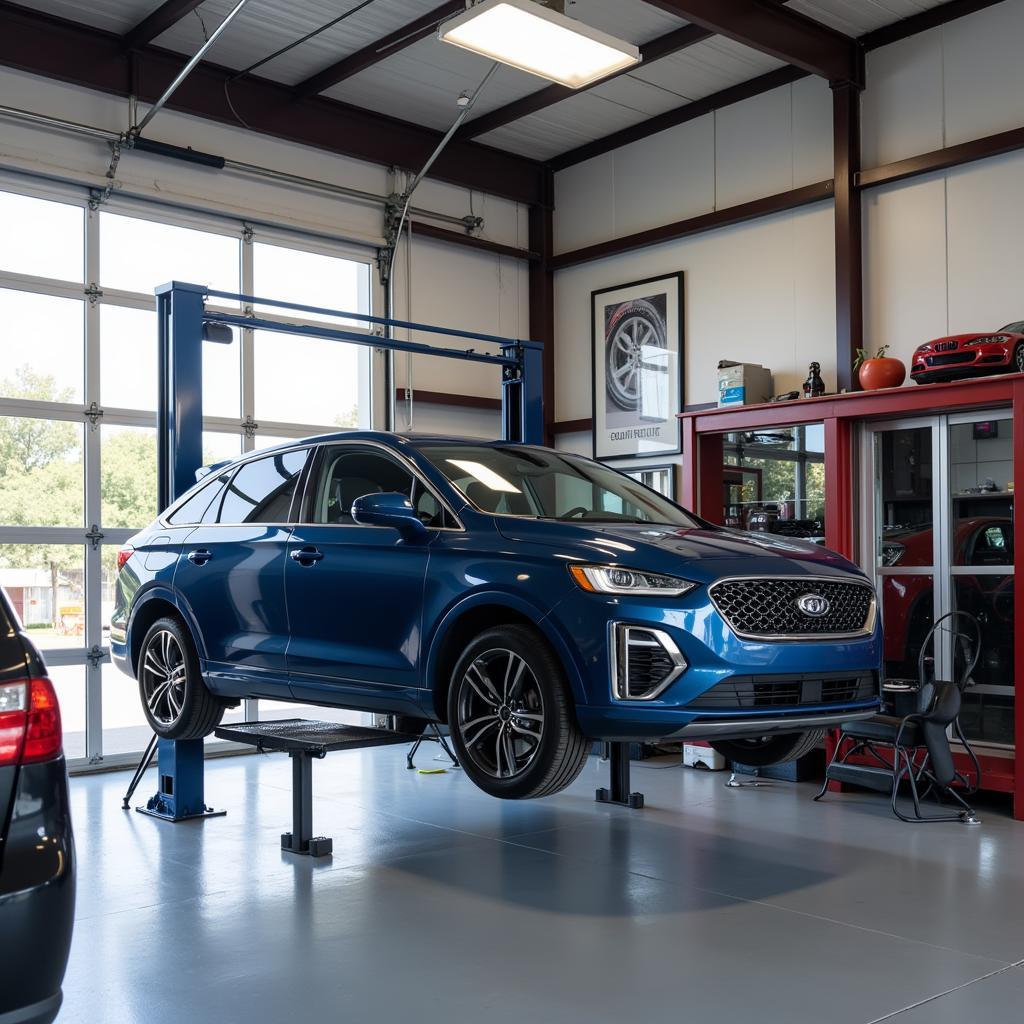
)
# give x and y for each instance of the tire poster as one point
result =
(637, 372)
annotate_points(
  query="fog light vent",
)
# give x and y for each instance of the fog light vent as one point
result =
(644, 662)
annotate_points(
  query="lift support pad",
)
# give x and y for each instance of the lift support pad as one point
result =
(303, 740)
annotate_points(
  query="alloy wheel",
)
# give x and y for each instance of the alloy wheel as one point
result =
(1018, 357)
(163, 677)
(500, 713)
(628, 359)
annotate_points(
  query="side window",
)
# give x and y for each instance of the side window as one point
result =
(347, 474)
(431, 512)
(194, 509)
(261, 491)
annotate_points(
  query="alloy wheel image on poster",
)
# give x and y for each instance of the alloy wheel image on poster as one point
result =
(638, 377)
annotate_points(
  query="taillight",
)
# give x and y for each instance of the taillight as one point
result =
(30, 729)
(123, 555)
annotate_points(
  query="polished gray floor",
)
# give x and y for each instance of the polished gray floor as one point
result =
(441, 904)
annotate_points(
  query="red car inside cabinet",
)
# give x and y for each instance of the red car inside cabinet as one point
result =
(970, 355)
(907, 601)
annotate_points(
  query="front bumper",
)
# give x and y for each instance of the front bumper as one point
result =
(931, 368)
(715, 658)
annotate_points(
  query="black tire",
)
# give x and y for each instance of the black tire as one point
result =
(175, 700)
(763, 751)
(534, 732)
(634, 326)
(1018, 358)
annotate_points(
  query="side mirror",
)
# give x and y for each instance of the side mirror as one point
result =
(389, 509)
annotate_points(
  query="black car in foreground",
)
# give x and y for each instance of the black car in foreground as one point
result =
(37, 853)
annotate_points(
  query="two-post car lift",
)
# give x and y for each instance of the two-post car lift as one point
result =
(184, 323)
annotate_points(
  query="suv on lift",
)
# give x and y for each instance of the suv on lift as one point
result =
(531, 599)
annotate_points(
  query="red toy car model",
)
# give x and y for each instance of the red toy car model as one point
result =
(970, 355)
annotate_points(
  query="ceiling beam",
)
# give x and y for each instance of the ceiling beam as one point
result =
(378, 50)
(724, 217)
(70, 52)
(678, 115)
(167, 14)
(779, 32)
(663, 46)
(922, 21)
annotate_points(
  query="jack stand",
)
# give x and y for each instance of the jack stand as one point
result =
(618, 755)
(438, 738)
(301, 838)
(179, 795)
(144, 762)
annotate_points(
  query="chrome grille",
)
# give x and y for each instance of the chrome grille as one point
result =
(765, 608)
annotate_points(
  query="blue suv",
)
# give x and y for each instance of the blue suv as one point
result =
(531, 599)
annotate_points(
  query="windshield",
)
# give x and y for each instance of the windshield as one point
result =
(540, 484)
(1017, 327)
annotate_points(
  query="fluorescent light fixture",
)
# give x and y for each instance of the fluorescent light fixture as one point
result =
(486, 475)
(543, 42)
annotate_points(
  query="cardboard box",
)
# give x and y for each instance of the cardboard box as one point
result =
(743, 383)
(698, 755)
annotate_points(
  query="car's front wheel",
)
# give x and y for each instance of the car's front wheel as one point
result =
(763, 751)
(175, 700)
(511, 718)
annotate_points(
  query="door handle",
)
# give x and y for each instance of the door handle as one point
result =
(200, 556)
(306, 555)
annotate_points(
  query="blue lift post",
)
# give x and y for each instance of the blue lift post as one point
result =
(183, 325)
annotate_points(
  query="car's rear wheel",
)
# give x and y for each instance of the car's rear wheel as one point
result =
(763, 751)
(511, 718)
(175, 700)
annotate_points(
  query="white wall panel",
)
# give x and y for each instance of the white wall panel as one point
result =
(986, 228)
(761, 292)
(668, 177)
(812, 131)
(901, 108)
(584, 203)
(984, 72)
(905, 265)
(754, 148)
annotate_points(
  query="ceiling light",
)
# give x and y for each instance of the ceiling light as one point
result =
(544, 42)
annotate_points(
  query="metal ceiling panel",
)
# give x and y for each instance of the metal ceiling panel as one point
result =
(633, 20)
(707, 67)
(110, 15)
(855, 17)
(266, 25)
(422, 83)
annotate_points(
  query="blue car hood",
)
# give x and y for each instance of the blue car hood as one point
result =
(701, 554)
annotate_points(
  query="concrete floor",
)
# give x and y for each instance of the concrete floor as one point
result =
(441, 904)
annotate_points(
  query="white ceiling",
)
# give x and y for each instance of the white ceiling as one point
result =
(421, 82)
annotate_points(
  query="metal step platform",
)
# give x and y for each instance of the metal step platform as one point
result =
(303, 740)
(879, 779)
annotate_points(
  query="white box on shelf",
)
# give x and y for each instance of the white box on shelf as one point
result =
(743, 383)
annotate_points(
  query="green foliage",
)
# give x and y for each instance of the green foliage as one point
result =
(863, 357)
(27, 443)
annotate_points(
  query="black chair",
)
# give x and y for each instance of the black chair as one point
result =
(919, 742)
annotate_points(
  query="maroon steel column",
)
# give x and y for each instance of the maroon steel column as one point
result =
(542, 294)
(849, 279)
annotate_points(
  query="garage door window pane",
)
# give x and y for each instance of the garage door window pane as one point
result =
(222, 379)
(311, 279)
(137, 255)
(127, 476)
(69, 682)
(127, 358)
(41, 481)
(329, 393)
(45, 583)
(41, 237)
(219, 447)
(43, 342)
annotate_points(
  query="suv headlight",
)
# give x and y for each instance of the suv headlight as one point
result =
(612, 579)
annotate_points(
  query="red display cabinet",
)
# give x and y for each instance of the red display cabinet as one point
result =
(918, 490)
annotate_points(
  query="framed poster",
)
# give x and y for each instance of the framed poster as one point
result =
(637, 337)
(659, 478)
